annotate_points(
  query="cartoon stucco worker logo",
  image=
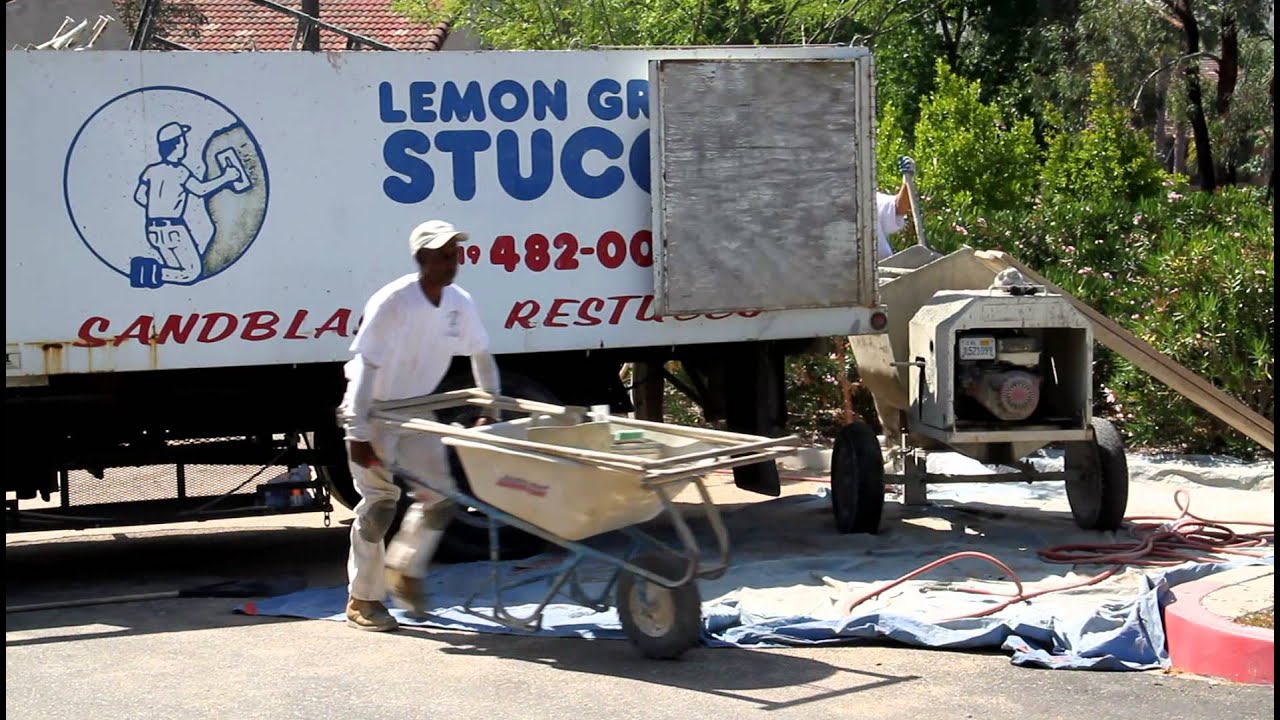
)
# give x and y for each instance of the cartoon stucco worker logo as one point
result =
(166, 186)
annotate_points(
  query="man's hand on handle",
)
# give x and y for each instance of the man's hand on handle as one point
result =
(362, 454)
(909, 199)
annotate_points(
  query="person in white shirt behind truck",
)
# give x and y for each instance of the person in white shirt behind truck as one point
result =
(892, 210)
(412, 329)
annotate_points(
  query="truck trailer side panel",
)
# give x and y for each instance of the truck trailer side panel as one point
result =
(199, 210)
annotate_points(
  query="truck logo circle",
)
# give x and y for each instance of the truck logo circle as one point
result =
(166, 186)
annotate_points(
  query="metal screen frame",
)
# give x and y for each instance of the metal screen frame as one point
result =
(862, 292)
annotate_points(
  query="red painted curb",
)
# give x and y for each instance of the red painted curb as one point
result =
(1205, 643)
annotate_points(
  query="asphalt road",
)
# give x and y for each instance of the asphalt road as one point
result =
(194, 659)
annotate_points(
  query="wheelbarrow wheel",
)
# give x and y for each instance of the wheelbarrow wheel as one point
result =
(857, 479)
(662, 623)
(1098, 479)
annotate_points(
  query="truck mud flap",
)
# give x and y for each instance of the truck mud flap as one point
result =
(755, 403)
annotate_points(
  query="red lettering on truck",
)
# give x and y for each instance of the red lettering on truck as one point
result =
(337, 323)
(292, 333)
(556, 312)
(87, 330)
(522, 314)
(529, 314)
(214, 327)
(259, 325)
(586, 315)
(171, 328)
(139, 329)
(211, 321)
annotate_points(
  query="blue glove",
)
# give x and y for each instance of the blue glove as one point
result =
(907, 166)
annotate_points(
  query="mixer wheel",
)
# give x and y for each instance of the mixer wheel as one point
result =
(1098, 479)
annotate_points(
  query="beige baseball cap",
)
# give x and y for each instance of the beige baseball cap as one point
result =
(432, 235)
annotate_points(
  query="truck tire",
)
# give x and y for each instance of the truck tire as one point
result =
(331, 453)
(467, 538)
(857, 480)
(1098, 479)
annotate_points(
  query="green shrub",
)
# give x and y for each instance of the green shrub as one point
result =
(971, 159)
(1106, 158)
(891, 144)
(1206, 300)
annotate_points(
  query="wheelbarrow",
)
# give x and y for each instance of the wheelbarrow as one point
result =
(569, 474)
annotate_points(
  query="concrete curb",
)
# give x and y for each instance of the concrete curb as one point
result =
(1204, 642)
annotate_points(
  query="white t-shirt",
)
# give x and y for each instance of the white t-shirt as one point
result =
(411, 341)
(888, 222)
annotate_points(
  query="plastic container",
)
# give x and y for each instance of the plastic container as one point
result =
(288, 490)
(638, 448)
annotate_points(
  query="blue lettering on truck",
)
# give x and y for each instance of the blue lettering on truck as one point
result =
(594, 160)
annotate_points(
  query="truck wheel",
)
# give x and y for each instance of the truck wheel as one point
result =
(857, 480)
(1098, 478)
(662, 623)
(467, 539)
(331, 453)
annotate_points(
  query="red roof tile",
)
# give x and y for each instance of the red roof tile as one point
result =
(245, 25)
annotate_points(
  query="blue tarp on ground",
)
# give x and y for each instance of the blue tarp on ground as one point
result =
(1116, 630)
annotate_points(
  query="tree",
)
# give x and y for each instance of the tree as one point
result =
(174, 19)
(1215, 30)
(537, 24)
(1105, 159)
(972, 158)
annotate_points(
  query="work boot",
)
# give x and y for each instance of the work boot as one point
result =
(408, 591)
(369, 615)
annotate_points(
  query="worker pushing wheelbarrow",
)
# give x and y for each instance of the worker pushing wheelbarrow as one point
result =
(567, 474)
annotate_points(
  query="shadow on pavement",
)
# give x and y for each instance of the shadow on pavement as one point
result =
(96, 567)
(767, 680)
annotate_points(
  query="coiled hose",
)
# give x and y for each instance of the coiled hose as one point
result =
(1156, 542)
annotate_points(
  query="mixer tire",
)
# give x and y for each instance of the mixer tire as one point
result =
(1098, 479)
(857, 480)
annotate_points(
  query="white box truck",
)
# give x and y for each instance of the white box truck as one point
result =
(191, 237)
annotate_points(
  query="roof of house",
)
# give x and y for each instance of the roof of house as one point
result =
(31, 22)
(245, 25)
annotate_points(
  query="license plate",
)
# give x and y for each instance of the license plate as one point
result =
(977, 348)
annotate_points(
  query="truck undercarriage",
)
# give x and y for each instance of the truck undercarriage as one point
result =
(137, 448)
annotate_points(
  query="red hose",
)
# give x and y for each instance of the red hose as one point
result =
(1157, 542)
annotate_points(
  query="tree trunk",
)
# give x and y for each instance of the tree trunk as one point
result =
(1180, 148)
(1271, 151)
(1195, 97)
(1160, 136)
(1229, 66)
(1228, 78)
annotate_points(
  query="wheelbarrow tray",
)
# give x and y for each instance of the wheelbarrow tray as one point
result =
(560, 470)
